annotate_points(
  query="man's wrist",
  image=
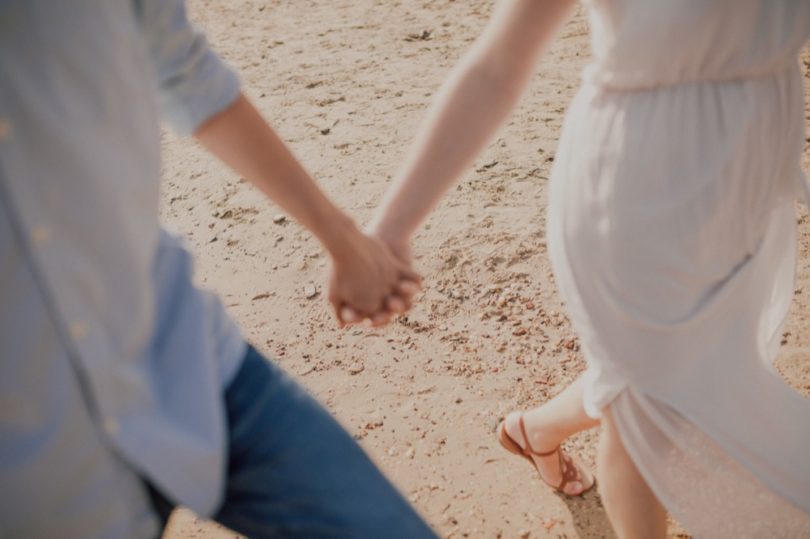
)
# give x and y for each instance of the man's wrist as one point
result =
(339, 236)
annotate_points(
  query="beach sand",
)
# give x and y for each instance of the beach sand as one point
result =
(346, 84)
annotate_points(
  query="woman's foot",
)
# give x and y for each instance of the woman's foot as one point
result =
(559, 470)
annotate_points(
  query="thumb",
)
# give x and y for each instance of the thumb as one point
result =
(349, 315)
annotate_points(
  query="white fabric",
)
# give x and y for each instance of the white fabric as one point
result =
(672, 233)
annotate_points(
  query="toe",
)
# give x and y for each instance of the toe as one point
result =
(512, 426)
(574, 488)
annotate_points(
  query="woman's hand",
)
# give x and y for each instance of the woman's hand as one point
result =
(369, 281)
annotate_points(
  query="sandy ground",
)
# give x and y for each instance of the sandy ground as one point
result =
(346, 82)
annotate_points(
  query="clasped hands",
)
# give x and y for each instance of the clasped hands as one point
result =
(371, 279)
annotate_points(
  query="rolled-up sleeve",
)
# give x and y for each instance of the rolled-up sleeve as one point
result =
(193, 82)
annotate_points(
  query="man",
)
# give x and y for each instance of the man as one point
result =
(125, 389)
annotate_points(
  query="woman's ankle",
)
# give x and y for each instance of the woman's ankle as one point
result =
(543, 432)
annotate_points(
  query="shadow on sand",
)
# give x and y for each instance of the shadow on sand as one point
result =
(588, 516)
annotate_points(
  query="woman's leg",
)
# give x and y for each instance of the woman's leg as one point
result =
(548, 426)
(631, 506)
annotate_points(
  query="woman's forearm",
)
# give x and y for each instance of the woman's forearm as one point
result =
(467, 111)
(477, 98)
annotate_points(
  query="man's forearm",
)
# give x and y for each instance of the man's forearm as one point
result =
(243, 140)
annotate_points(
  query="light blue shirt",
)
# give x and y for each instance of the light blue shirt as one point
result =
(112, 363)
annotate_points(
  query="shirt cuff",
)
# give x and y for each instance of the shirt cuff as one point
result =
(208, 87)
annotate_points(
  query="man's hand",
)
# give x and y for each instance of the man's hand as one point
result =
(368, 281)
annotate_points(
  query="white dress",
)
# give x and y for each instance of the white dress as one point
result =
(672, 234)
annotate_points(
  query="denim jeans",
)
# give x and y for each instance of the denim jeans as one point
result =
(294, 472)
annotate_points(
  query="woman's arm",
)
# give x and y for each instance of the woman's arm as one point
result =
(476, 99)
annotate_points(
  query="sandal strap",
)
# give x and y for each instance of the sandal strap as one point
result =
(569, 470)
(527, 449)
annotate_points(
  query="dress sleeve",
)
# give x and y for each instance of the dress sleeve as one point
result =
(193, 82)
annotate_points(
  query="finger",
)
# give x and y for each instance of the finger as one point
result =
(336, 308)
(405, 299)
(380, 319)
(407, 287)
(395, 304)
(349, 315)
(407, 272)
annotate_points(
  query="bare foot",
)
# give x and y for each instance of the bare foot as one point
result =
(549, 467)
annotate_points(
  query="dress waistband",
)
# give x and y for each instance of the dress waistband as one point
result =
(591, 77)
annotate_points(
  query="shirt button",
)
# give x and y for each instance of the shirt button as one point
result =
(5, 130)
(40, 234)
(78, 330)
(111, 426)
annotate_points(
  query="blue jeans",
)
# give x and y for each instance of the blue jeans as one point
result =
(294, 472)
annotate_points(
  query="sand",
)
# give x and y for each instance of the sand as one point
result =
(346, 84)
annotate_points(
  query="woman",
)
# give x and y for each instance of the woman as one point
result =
(672, 234)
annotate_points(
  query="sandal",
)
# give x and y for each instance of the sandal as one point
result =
(570, 471)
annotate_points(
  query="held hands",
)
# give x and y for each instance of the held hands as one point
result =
(371, 280)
